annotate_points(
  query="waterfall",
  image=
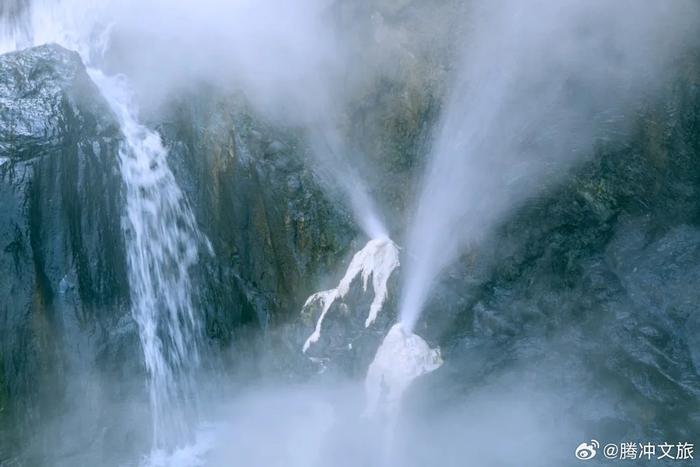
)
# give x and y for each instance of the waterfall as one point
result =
(162, 241)
(161, 234)
(14, 19)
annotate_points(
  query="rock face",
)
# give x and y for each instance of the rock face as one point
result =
(274, 232)
(591, 288)
(63, 283)
(349, 320)
(66, 333)
(596, 277)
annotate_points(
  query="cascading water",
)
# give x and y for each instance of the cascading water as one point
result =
(15, 27)
(533, 82)
(162, 241)
(161, 233)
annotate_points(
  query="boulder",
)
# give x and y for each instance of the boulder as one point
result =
(62, 261)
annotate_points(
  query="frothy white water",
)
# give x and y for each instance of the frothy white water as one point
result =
(194, 454)
(162, 245)
(161, 234)
(378, 260)
(402, 357)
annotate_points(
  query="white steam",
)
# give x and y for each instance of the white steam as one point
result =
(537, 84)
(285, 56)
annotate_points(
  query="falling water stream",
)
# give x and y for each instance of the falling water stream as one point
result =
(162, 238)
(524, 104)
(162, 244)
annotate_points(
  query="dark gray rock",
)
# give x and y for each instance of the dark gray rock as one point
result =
(274, 232)
(62, 263)
(70, 350)
(588, 293)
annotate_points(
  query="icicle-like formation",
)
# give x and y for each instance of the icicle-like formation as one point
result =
(402, 357)
(378, 260)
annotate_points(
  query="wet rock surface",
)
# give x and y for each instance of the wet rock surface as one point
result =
(275, 234)
(588, 291)
(63, 282)
(65, 315)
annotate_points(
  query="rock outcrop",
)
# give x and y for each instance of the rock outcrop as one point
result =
(62, 281)
(65, 314)
(596, 276)
(275, 233)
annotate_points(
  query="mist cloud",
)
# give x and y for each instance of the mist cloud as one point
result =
(538, 83)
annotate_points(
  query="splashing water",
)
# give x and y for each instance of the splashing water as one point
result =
(401, 358)
(162, 238)
(75, 24)
(162, 243)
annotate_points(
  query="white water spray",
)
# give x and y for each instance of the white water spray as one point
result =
(537, 84)
(162, 245)
(336, 168)
(162, 238)
(402, 357)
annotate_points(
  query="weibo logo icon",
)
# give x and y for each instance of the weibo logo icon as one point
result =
(587, 451)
